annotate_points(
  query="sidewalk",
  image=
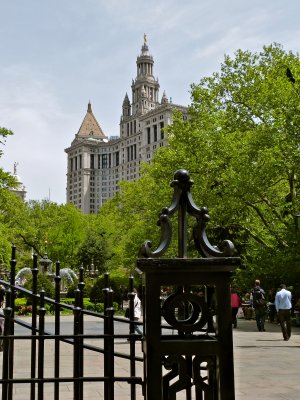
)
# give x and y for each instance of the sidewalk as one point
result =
(266, 367)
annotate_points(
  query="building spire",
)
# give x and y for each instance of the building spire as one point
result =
(90, 126)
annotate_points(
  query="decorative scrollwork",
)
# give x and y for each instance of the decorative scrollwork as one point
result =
(202, 243)
(194, 312)
(197, 370)
(205, 383)
(165, 237)
(178, 368)
(183, 203)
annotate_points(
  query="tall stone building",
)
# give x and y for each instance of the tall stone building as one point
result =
(96, 162)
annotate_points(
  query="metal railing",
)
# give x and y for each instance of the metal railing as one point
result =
(44, 366)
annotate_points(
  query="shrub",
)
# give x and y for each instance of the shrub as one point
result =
(43, 282)
(96, 294)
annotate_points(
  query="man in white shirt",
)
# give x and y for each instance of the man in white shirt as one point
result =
(283, 304)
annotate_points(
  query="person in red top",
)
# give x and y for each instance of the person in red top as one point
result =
(236, 302)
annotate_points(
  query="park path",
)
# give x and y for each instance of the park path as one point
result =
(266, 367)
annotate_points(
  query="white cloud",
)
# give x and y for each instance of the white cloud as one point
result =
(29, 107)
(57, 56)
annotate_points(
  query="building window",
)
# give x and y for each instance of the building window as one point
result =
(91, 161)
(148, 136)
(162, 134)
(155, 133)
(104, 160)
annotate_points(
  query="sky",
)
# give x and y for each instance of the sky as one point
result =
(57, 55)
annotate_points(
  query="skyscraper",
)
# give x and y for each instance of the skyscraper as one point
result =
(96, 162)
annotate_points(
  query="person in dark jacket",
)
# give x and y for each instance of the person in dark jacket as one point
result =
(259, 305)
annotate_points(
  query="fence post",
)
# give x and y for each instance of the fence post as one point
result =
(6, 351)
(81, 285)
(131, 296)
(196, 343)
(109, 347)
(105, 291)
(77, 361)
(34, 298)
(57, 280)
(13, 263)
(41, 351)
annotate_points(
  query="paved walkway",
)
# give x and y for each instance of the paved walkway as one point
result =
(266, 367)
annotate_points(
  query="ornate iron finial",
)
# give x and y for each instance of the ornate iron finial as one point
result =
(184, 203)
(145, 39)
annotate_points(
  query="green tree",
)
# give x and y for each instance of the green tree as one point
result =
(93, 249)
(56, 229)
(130, 219)
(241, 147)
(8, 203)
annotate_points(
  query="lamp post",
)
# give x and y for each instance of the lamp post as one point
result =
(92, 272)
(45, 263)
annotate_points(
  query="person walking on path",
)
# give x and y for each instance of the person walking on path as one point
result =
(236, 303)
(271, 305)
(137, 311)
(283, 304)
(259, 305)
(2, 295)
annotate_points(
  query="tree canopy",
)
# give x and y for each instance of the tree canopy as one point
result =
(240, 144)
(241, 147)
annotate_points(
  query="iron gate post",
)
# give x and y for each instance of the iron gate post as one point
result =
(195, 347)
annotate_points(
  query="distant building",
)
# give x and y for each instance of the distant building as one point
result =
(96, 162)
(20, 189)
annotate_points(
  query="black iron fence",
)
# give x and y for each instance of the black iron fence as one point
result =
(42, 360)
(195, 360)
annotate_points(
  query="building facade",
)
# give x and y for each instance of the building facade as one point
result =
(97, 163)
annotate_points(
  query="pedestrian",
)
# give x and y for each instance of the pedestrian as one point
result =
(1, 331)
(283, 304)
(259, 304)
(236, 303)
(137, 312)
(2, 295)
